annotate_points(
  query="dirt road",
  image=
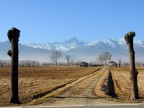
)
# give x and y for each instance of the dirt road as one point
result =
(92, 106)
(82, 93)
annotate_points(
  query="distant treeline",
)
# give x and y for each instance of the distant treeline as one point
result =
(33, 63)
(22, 63)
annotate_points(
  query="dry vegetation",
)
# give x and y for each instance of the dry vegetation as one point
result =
(38, 80)
(41, 80)
(121, 78)
(99, 88)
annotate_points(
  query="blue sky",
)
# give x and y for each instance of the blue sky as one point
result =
(58, 20)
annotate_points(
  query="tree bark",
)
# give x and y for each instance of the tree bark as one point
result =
(56, 62)
(68, 63)
(133, 72)
(13, 53)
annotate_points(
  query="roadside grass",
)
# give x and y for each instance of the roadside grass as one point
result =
(121, 77)
(99, 88)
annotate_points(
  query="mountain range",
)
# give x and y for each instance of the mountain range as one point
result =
(78, 50)
(60, 46)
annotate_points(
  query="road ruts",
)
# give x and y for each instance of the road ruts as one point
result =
(81, 93)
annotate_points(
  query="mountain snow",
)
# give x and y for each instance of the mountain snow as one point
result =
(79, 50)
(75, 43)
(140, 43)
(60, 46)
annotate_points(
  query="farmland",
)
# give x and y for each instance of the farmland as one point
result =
(68, 85)
(38, 80)
(122, 82)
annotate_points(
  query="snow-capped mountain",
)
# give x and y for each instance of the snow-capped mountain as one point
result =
(79, 50)
(25, 52)
(60, 46)
(117, 47)
(75, 43)
(115, 43)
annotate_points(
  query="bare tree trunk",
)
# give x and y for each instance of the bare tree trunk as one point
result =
(68, 63)
(133, 71)
(133, 74)
(13, 35)
(56, 62)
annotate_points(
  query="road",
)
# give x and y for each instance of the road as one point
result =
(90, 106)
(82, 95)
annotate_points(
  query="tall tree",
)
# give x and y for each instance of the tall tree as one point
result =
(13, 36)
(133, 72)
(105, 57)
(119, 62)
(68, 57)
(55, 56)
(101, 59)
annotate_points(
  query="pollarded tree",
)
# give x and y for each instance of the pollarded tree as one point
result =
(55, 56)
(133, 72)
(13, 36)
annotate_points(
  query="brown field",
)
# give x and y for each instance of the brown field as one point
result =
(120, 77)
(38, 80)
(122, 83)
(35, 82)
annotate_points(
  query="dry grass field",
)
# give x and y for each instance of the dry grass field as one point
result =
(100, 87)
(38, 80)
(122, 83)
(35, 82)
